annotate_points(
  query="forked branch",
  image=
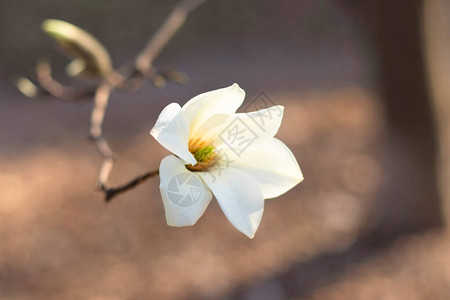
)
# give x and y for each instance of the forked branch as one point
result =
(135, 77)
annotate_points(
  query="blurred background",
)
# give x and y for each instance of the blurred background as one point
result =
(364, 85)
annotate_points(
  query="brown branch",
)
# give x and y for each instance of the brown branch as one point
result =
(173, 22)
(112, 192)
(143, 66)
(98, 114)
(57, 89)
(136, 74)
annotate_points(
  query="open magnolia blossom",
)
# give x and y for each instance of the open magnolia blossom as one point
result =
(218, 151)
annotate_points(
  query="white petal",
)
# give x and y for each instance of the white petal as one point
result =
(185, 195)
(172, 132)
(240, 132)
(273, 165)
(202, 107)
(239, 196)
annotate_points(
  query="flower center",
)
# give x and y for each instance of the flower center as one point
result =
(204, 154)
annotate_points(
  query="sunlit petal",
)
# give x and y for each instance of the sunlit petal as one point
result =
(273, 165)
(172, 132)
(239, 196)
(243, 130)
(202, 107)
(185, 195)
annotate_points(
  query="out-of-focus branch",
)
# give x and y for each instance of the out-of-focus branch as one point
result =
(143, 66)
(173, 22)
(57, 89)
(96, 133)
(129, 77)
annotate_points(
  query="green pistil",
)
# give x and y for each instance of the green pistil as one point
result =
(203, 154)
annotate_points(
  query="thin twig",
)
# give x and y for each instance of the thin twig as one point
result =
(143, 64)
(57, 89)
(173, 22)
(98, 114)
(112, 192)
(136, 74)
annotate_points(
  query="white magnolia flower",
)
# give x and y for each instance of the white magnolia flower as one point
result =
(218, 151)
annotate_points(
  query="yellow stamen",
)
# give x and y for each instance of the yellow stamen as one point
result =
(203, 152)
